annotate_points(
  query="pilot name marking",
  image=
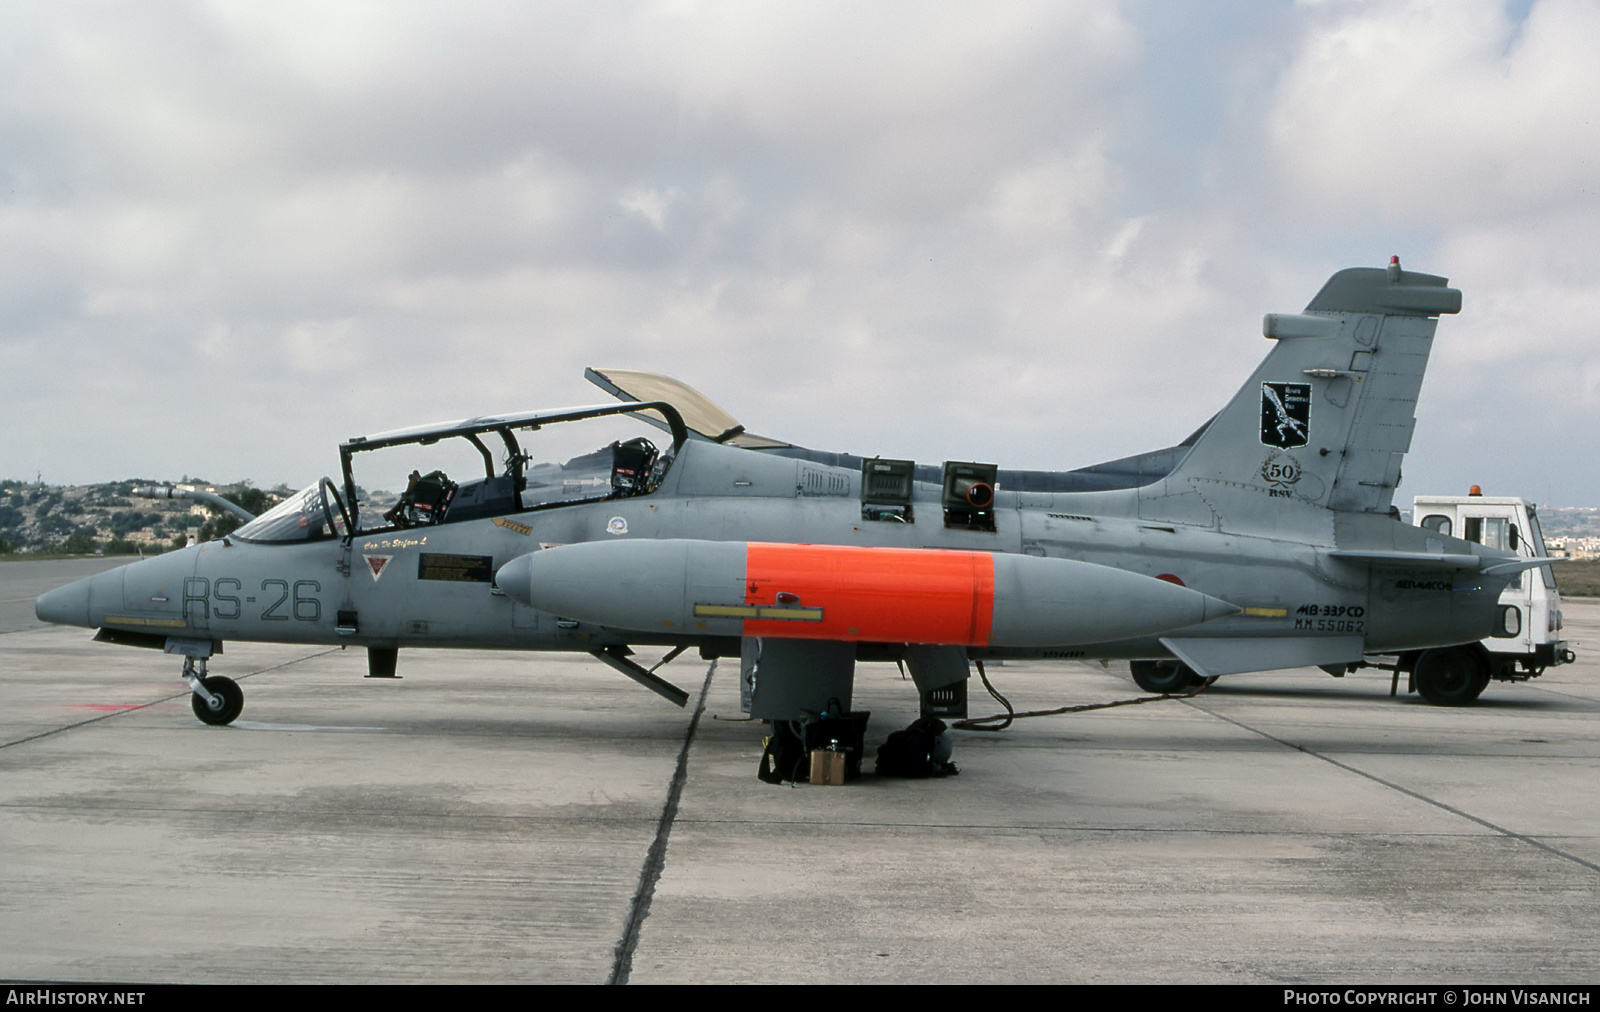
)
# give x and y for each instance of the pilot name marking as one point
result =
(394, 543)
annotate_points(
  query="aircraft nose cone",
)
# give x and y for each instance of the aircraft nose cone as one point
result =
(67, 605)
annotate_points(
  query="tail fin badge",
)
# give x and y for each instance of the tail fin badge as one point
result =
(1285, 414)
(1281, 470)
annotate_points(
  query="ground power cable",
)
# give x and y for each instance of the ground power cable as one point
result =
(1001, 721)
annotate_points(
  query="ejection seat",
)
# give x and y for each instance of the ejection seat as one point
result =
(630, 467)
(426, 498)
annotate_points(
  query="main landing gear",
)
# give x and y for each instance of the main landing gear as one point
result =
(217, 699)
(1168, 677)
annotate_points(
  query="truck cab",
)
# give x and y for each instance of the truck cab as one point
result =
(1527, 637)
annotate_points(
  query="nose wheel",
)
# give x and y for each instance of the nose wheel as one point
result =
(216, 699)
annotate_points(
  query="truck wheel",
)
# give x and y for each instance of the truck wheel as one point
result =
(1163, 676)
(1453, 676)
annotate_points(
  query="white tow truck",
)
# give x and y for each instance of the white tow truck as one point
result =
(1527, 637)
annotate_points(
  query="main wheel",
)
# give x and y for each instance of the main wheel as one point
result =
(1453, 676)
(1163, 676)
(232, 700)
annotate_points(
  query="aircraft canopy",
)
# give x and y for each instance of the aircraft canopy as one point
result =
(703, 416)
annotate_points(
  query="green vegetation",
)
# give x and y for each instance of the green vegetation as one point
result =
(79, 543)
(1579, 578)
(253, 499)
(52, 524)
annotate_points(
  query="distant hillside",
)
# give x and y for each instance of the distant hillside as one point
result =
(107, 518)
(1570, 521)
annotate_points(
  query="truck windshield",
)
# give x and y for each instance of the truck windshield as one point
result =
(1536, 542)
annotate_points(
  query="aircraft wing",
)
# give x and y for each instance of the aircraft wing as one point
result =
(1230, 655)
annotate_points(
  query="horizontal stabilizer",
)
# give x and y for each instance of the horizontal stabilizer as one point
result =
(1507, 568)
(1426, 560)
(1209, 657)
(1409, 560)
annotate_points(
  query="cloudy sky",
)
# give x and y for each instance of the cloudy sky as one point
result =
(1043, 234)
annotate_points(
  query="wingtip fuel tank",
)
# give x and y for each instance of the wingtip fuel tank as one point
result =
(849, 593)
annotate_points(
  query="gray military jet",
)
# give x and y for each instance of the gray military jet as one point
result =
(1265, 540)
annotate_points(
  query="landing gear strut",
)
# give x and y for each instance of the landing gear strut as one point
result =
(217, 699)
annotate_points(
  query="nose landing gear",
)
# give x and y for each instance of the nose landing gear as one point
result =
(217, 699)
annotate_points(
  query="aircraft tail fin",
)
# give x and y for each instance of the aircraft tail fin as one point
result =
(1326, 418)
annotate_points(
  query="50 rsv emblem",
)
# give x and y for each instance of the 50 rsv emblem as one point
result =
(1280, 470)
(1285, 414)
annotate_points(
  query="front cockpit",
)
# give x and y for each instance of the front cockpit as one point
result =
(314, 513)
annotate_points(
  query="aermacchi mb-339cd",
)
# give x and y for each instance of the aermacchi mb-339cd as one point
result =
(1267, 539)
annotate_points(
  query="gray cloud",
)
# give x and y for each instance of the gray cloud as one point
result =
(1041, 233)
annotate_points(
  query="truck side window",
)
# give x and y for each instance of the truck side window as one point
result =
(1437, 523)
(1494, 532)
